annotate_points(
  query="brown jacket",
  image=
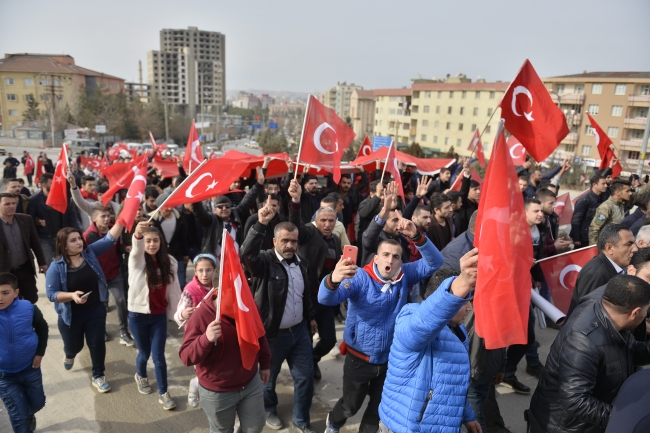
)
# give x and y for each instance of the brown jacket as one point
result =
(30, 240)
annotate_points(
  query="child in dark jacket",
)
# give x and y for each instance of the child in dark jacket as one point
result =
(23, 339)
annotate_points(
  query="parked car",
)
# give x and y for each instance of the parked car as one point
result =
(170, 150)
(76, 146)
(3, 151)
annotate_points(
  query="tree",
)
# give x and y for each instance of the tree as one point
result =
(352, 151)
(348, 120)
(271, 141)
(415, 150)
(32, 113)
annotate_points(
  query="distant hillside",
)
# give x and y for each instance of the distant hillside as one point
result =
(274, 93)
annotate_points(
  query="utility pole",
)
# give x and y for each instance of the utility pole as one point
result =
(166, 122)
(644, 145)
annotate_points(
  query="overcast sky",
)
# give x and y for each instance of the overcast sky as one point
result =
(304, 45)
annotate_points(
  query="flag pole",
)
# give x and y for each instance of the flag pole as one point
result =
(155, 212)
(223, 252)
(568, 252)
(386, 163)
(304, 122)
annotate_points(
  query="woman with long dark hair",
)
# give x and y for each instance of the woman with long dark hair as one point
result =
(77, 286)
(154, 293)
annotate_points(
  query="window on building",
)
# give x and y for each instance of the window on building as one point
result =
(28, 81)
(436, 125)
(460, 126)
(473, 127)
(491, 95)
(425, 109)
(391, 125)
(645, 90)
(435, 139)
(620, 89)
(633, 154)
(381, 123)
(586, 150)
(458, 142)
(43, 98)
(42, 81)
(393, 111)
(438, 109)
(463, 95)
(451, 94)
(477, 95)
(377, 110)
(376, 122)
(636, 134)
(29, 97)
(612, 132)
(414, 108)
(446, 140)
(617, 110)
(589, 130)
(448, 110)
(13, 113)
(423, 137)
(427, 95)
(425, 123)
(416, 95)
(400, 112)
(475, 111)
(381, 110)
(462, 111)
(559, 88)
(489, 112)
(579, 89)
(596, 89)
(570, 148)
(593, 109)
(406, 126)
(9, 81)
(439, 95)
(56, 82)
(487, 130)
(448, 125)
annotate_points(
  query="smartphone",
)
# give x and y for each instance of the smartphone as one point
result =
(350, 253)
(84, 296)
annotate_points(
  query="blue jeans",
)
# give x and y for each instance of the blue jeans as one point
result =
(295, 347)
(23, 396)
(476, 396)
(149, 332)
(182, 272)
(92, 325)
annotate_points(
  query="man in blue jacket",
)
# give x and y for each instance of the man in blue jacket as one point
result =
(428, 367)
(375, 295)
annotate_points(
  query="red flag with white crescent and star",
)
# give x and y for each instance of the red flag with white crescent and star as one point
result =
(607, 161)
(128, 171)
(505, 254)
(325, 138)
(237, 303)
(92, 163)
(561, 273)
(476, 146)
(365, 149)
(134, 196)
(209, 180)
(29, 165)
(103, 165)
(193, 153)
(154, 146)
(517, 151)
(531, 115)
(459, 179)
(393, 169)
(563, 208)
(603, 142)
(57, 198)
(40, 169)
(168, 167)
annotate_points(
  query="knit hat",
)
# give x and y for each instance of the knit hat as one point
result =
(161, 198)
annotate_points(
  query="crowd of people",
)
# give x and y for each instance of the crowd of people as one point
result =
(394, 262)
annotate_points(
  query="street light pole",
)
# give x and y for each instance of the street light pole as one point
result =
(166, 122)
(644, 145)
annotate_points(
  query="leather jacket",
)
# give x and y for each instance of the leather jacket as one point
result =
(586, 367)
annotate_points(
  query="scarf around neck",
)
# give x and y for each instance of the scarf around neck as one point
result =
(371, 269)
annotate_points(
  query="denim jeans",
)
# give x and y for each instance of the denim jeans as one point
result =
(90, 324)
(221, 407)
(295, 347)
(48, 245)
(23, 396)
(360, 378)
(476, 396)
(116, 288)
(326, 329)
(182, 273)
(150, 332)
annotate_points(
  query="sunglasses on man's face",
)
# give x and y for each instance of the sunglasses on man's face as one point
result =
(223, 206)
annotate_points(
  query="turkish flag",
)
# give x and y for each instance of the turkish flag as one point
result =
(561, 273)
(210, 180)
(365, 149)
(168, 167)
(459, 179)
(103, 165)
(325, 138)
(563, 208)
(92, 163)
(58, 196)
(502, 296)
(133, 196)
(475, 146)
(40, 169)
(114, 152)
(193, 153)
(128, 171)
(237, 303)
(531, 115)
(29, 165)
(579, 196)
(393, 169)
(607, 160)
(602, 142)
(154, 146)
(517, 151)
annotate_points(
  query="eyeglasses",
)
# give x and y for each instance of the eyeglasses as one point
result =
(223, 206)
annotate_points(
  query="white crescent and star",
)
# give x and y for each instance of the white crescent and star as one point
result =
(195, 144)
(135, 171)
(512, 151)
(319, 131)
(365, 151)
(596, 136)
(240, 302)
(135, 179)
(566, 270)
(525, 91)
(189, 193)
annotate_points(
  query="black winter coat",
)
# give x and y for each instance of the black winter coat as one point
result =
(583, 214)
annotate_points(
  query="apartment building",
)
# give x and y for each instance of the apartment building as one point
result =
(47, 79)
(619, 103)
(189, 70)
(338, 98)
(362, 112)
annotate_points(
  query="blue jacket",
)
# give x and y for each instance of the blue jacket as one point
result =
(18, 340)
(56, 278)
(370, 322)
(428, 369)
(457, 249)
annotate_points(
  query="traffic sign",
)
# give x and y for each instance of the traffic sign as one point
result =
(273, 125)
(100, 129)
(379, 141)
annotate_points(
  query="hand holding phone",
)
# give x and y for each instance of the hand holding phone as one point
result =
(350, 252)
(84, 296)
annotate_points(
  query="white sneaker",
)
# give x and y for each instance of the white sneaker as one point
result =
(167, 401)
